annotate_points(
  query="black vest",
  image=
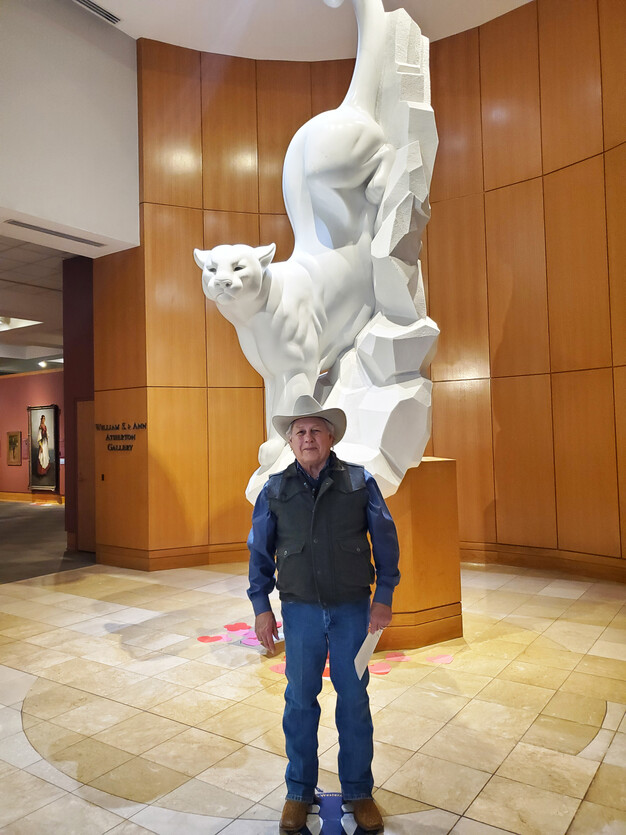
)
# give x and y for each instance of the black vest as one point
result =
(322, 548)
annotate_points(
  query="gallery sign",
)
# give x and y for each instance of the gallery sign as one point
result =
(120, 436)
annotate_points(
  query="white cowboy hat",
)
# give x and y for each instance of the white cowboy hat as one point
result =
(307, 406)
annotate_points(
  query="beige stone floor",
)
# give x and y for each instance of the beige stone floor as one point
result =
(115, 718)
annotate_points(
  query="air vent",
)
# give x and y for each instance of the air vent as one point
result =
(94, 8)
(63, 235)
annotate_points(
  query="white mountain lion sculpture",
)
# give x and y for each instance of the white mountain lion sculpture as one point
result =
(344, 317)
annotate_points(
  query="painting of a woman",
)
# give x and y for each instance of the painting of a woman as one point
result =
(43, 424)
(43, 455)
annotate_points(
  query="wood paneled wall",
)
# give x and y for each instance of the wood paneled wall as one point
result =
(284, 104)
(229, 134)
(510, 119)
(527, 279)
(170, 124)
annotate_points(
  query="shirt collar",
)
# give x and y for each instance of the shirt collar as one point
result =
(315, 482)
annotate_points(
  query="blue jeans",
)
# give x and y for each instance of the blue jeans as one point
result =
(311, 632)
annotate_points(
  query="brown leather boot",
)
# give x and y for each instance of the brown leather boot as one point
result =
(367, 816)
(294, 815)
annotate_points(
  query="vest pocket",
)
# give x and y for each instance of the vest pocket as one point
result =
(353, 567)
(289, 565)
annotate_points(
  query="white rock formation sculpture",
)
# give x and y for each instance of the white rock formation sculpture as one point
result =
(344, 318)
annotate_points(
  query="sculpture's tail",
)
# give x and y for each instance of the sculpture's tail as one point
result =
(370, 54)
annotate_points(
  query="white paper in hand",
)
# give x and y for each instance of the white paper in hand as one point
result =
(365, 653)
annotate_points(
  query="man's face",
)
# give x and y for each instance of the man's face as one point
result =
(311, 441)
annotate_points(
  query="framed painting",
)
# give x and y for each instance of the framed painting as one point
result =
(43, 441)
(14, 449)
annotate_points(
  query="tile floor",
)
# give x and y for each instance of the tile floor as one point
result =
(115, 718)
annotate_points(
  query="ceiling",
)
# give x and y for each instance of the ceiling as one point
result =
(31, 287)
(287, 30)
(306, 30)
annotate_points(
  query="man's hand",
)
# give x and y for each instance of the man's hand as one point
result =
(380, 616)
(266, 630)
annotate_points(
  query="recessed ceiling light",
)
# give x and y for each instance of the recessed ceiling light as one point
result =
(42, 364)
(9, 323)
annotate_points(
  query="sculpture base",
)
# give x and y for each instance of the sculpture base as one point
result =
(427, 603)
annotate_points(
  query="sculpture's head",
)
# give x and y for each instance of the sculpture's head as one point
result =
(233, 271)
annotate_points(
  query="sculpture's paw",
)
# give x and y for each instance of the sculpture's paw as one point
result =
(269, 452)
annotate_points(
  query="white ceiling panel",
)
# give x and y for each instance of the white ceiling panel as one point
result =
(285, 30)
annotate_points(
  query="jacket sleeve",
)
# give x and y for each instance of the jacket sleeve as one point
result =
(385, 546)
(262, 547)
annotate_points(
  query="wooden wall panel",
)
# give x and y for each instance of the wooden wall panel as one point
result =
(119, 320)
(571, 94)
(458, 297)
(230, 228)
(177, 468)
(170, 124)
(277, 229)
(516, 280)
(524, 461)
(226, 364)
(175, 311)
(619, 378)
(615, 162)
(236, 422)
(578, 289)
(284, 105)
(229, 133)
(455, 81)
(509, 85)
(585, 462)
(462, 430)
(121, 483)
(329, 83)
(613, 57)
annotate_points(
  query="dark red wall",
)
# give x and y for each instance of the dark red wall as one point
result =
(17, 393)
(78, 356)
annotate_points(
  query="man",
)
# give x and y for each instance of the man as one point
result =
(311, 524)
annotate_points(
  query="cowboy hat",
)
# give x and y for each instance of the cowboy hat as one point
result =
(305, 407)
